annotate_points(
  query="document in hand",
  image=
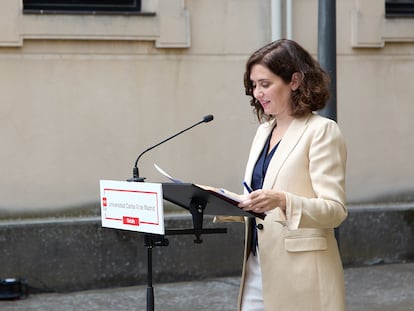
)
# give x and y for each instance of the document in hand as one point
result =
(216, 202)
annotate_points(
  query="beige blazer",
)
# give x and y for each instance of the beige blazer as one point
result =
(300, 262)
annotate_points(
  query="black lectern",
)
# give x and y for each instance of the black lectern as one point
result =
(198, 202)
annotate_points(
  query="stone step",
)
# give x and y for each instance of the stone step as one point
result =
(71, 254)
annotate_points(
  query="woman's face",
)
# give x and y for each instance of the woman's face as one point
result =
(271, 91)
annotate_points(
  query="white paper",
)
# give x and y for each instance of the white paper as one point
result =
(164, 173)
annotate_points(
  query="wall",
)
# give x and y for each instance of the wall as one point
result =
(78, 110)
(70, 254)
(82, 96)
(375, 58)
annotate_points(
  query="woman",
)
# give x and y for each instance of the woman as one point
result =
(296, 169)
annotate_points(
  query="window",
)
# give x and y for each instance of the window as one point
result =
(81, 6)
(166, 22)
(399, 8)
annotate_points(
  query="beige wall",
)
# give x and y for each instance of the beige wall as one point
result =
(82, 96)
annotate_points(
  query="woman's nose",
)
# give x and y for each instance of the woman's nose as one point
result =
(258, 93)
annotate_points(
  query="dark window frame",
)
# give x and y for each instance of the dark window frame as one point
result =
(82, 7)
(399, 8)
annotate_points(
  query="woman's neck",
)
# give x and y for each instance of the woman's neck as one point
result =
(281, 125)
(283, 121)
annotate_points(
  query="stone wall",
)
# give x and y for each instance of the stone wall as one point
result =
(71, 254)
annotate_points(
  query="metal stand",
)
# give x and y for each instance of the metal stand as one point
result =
(152, 240)
(196, 208)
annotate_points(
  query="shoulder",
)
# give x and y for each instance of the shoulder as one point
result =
(317, 120)
(318, 131)
(325, 132)
(317, 123)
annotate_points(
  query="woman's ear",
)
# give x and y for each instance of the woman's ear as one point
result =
(296, 81)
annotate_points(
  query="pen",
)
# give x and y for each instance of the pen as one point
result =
(247, 187)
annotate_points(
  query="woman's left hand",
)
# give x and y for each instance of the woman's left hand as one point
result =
(263, 200)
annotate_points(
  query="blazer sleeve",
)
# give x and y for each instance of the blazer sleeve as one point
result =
(327, 165)
(325, 206)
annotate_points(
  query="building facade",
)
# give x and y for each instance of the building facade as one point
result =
(84, 94)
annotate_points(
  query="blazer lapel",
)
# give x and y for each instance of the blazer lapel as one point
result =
(256, 149)
(286, 146)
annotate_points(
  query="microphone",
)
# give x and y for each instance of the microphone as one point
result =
(135, 171)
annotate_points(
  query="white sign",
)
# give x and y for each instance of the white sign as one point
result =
(134, 206)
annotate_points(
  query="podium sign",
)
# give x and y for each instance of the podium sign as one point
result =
(134, 206)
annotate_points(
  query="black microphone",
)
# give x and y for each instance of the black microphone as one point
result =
(135, 172)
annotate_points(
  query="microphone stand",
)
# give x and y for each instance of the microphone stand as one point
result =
(149, 243)
(135, 171)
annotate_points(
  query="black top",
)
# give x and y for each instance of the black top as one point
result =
(259, 173)
(262, 164)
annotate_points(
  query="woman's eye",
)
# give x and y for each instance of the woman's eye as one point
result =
(261, 84)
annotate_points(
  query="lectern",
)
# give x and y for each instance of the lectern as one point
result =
(138, 207)
(198, 202)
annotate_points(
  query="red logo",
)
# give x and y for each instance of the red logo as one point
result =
(133, 221)
(104, 201)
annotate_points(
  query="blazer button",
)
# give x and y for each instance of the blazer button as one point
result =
(260, 226)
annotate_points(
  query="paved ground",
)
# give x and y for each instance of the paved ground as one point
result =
(374, 288)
